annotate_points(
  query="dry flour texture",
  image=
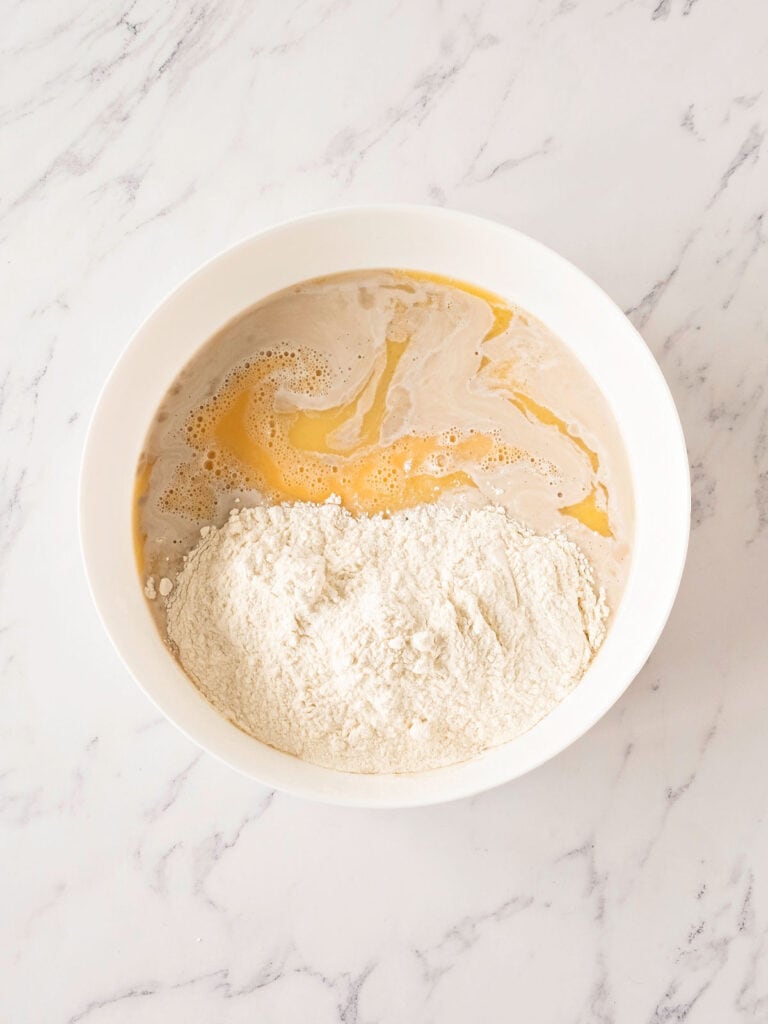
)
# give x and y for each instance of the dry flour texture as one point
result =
(384, 644)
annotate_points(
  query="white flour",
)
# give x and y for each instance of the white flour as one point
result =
(378, 644)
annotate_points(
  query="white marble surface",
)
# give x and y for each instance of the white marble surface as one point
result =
(626, 881)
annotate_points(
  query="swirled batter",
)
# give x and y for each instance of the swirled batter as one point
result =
(389, 389)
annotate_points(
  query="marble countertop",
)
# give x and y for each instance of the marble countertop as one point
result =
(625, 881)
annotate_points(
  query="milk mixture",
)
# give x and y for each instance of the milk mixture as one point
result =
(389, 389)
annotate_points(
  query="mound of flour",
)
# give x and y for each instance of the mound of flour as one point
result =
(379, 644)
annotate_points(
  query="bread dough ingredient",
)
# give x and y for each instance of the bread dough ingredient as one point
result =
(384, 644)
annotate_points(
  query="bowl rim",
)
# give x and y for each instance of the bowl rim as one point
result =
(458, 782)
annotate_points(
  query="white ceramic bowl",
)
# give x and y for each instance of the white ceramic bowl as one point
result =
(422, 238)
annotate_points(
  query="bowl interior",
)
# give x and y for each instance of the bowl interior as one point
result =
(443, 242)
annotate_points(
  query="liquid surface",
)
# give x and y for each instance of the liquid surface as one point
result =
(388, 389)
